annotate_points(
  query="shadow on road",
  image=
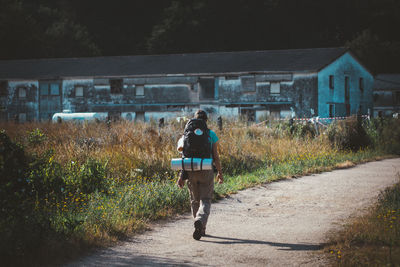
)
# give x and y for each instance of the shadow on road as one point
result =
(283, 246)
(122, 259)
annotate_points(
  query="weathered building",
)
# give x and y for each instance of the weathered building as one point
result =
(321, 82)
(386, 94)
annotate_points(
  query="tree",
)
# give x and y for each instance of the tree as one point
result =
(36, 31)
(379, 56)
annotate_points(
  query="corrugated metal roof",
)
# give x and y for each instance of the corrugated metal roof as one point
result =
(387, 81)
(219, 62)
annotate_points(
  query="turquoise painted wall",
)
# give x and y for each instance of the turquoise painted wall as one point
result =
(344, 66)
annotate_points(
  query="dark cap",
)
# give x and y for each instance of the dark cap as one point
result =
(201, 114)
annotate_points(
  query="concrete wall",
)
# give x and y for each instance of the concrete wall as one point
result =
(150, 98)
(386, 102)
(345, 66)
(297, 94)
(25, 107)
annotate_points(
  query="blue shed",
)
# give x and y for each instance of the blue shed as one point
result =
(345, 87)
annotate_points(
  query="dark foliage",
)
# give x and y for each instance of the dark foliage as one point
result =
(20, 225)
(15, 189)
(349, 134)
(32, 189)
(62, 28)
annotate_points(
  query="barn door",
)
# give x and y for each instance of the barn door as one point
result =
(49, 99)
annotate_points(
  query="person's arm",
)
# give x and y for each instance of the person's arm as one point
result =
(217, 162)
(180, 183)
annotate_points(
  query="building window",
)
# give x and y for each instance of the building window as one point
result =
(175, 107)
(248, 114)
(275, 88)
(331, 111)
(22, 92)
(331, 82)
(275, 112)
(22, 117)
(376, 97)
(49, 89)
(78, 91)
(207, 88)
(301, 99)
(397, 98)
(114, 116)
(360, 110)
(361, 85)
(139, 116)
(3, 88)
(54, 89)
(347, 88)
(248, 83)
(139, 90)
(231, 77)
(44, 89)
(128, 117)
(116, 86)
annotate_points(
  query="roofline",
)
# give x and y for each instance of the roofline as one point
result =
(44, 60)
(386, 90)
(347, 50)
(359, 62)
(161, 75)
(333, 60)
(387, 81)
(159, 55)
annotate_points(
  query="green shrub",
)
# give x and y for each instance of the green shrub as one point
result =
(46, 176)
(87, 178)
(385, 134)
(348, 134)
(21, 223)
(303, 130)
(36, 137)
(15, 189)
(295, 129)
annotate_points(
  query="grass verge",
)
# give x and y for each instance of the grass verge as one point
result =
(373, 239)
(291, 169)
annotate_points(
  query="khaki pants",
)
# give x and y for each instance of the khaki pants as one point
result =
(201, 189)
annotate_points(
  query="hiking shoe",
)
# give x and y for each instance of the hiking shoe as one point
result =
(203, 232)
(198, 227)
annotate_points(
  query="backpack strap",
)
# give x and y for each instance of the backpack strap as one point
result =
(191, 163)
(183, 165)
(201, 164)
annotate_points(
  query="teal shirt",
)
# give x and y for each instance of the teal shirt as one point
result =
(213, 137)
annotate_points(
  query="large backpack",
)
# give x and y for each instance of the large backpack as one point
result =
(196, 143)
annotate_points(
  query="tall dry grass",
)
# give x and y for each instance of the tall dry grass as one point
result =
(132, 148)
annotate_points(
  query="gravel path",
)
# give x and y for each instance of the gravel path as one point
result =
(278, 224)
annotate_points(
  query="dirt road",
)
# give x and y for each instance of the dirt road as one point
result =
(277, 224)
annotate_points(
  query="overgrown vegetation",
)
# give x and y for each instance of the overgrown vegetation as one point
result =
(65, 187)
(374, 239)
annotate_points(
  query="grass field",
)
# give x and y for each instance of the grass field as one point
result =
(373, 239)
(68, 187)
